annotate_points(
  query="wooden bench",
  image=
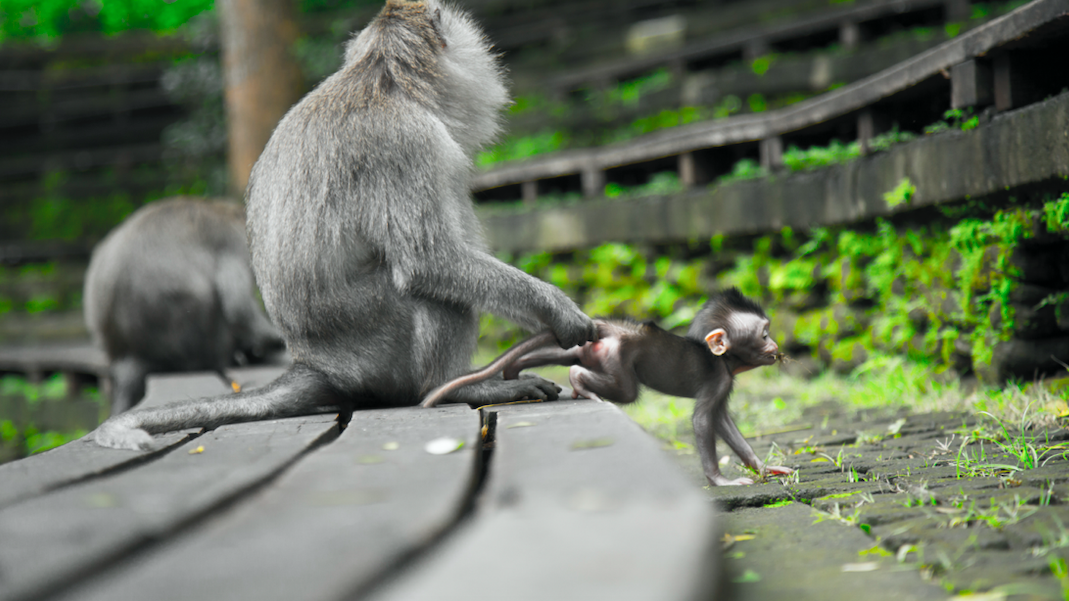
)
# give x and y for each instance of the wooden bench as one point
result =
(566, 500)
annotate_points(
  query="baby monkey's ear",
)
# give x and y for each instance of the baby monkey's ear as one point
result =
(718, 341)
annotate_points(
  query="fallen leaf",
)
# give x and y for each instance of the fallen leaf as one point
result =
(868, 566)
(519, 425)
(235, 386)
(390, 446)
(1059, 408)
(748, 576)
(443, 446)
(102, 500)
(369, 459)
(593, 443)
(197, 451)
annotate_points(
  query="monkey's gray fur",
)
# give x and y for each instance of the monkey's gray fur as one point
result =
(171, 289)
(364, 239)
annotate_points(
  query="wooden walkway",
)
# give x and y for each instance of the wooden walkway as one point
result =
(567, 500)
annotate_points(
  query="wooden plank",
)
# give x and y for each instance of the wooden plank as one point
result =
(83, 459)
(161, 389)
(971, 84)
(257, 376)
(580, 504)
(81, 358)
(338, 520)
(73, 462)
(754, 127)
(74, 532)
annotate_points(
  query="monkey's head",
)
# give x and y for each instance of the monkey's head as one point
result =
(736, 328)
(436, 55)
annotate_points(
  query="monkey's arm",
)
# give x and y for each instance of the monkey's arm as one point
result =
(299, 391)
(710, 419)
(472, 277)
(737, 442)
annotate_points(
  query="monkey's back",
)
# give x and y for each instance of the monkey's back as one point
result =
(151, 289)
(362, 184)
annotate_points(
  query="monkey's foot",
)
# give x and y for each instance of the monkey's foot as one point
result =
(584, 394)
(490, 392)
(115, 435)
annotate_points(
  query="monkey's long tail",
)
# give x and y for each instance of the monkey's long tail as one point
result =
(496, 366)
(299, 391)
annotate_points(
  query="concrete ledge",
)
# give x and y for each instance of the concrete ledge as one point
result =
(1018, 148)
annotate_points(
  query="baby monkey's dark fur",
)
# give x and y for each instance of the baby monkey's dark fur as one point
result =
(728, 336)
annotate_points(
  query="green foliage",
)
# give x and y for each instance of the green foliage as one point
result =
(729, 105)
(17, 386)
(761, 64)
(665, 182)
(743, 170)
(901, 194)
(59, 218)
(820, 156)
(514, 149)
(960, 119)
(628, 93)
(1056, 214)
(757, 103)
(46, 20)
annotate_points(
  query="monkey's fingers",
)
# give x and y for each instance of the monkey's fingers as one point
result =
(721, 480)
(778, 470)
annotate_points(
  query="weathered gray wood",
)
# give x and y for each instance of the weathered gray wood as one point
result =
(866, 129)
(581, 504)
(338, 520)
(71, 533)
(754, 127)
(529, 192)
(255, 377)
(83, 459)
(1006, 83)
(694, 169)
(593, 182)
(73, 462)
(849, 34)
(771, 150)
(161, 389)
(77, 358)
(971, 84)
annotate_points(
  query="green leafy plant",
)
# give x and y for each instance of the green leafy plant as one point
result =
(901, 194)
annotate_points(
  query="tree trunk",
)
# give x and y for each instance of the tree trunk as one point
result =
(263, 78)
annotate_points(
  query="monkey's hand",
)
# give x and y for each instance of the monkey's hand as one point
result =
(572, 327)
(722, 480)
(120, 433)
(490, 392)
(777, 470)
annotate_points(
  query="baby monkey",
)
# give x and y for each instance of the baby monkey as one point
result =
(728, 336)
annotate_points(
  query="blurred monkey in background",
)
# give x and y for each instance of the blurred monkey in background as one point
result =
(170, 289)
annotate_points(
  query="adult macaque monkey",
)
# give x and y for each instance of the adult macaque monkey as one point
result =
(728, 336)
(364, 239)
(171, 289)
